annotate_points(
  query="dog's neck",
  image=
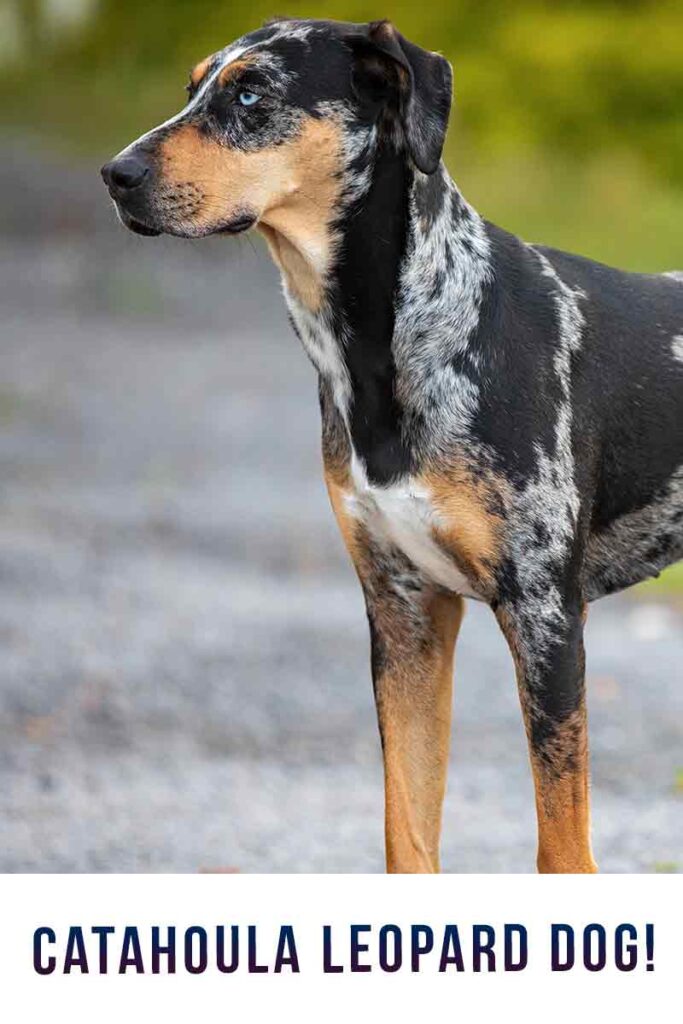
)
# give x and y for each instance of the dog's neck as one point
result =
(401, 304)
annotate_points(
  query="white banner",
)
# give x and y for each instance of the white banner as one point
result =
(325, 947)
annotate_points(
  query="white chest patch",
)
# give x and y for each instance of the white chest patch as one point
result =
(402, 515)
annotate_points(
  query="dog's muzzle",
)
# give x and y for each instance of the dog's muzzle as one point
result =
(127, 178)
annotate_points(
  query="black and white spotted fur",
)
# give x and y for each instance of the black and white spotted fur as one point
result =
(441, 338)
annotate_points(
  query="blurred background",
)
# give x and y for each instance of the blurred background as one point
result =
(184, 680)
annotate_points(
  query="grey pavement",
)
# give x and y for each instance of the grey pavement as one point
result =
(184, 681)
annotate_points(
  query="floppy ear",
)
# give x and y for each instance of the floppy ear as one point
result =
(386, 63)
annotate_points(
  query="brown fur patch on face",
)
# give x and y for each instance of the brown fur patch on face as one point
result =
(472, 525)
(292, 189)
(228, 181)
(199, 71)
(231, 71)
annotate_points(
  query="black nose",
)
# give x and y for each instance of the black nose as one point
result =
(124, 174)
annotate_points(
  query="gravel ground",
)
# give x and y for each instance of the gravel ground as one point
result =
(185, 679)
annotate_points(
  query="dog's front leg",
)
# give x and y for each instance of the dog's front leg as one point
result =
(413, 628)
(547, 646)
(413, 633)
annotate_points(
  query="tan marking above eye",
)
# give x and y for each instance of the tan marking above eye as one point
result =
(230, 72)
(199, 71)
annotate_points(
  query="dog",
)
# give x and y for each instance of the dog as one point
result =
(500, 421)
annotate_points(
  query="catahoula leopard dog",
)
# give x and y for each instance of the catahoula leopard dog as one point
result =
(500, 421)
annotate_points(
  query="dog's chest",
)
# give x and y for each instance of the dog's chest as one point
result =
(398, 516)
(402, 516)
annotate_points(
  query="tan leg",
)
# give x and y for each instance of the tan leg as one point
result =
(562, 801)
(413, 696)
(551, 688)
(413, 628)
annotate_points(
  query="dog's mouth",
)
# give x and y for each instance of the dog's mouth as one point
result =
(235, 226)
(238, 224)
(138, 227)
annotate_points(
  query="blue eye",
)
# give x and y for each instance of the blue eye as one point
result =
(248, 99)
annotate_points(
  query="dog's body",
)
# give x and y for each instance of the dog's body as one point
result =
(500, 421)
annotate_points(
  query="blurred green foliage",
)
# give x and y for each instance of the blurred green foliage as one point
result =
(575, 77)
(567, 124)
(669, 584)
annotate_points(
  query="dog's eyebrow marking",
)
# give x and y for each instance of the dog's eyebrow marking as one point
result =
(232, 53)
(200, 70)
(230, 71)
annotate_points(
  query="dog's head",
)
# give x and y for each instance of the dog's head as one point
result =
(280, 127)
